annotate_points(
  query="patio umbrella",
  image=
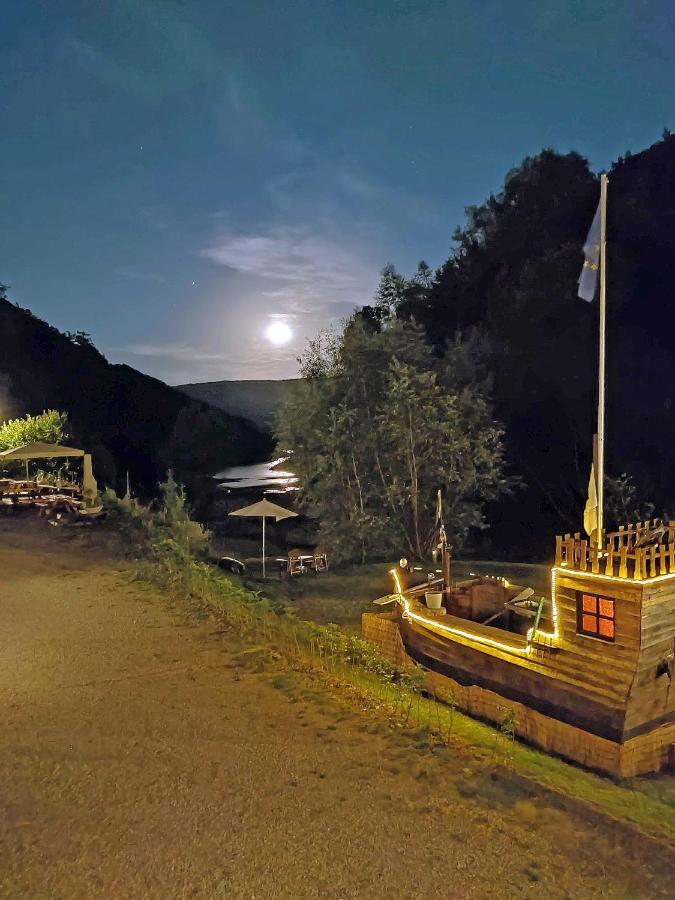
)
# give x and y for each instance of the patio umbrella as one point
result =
(41, 450)
(265, 510)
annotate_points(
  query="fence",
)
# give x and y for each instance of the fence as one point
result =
(641, 551)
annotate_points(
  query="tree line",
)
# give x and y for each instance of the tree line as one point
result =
(479, 378)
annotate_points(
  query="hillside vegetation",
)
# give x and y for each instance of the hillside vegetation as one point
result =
(512, 281)
(258, 401)
(142, 424)
(508, 293)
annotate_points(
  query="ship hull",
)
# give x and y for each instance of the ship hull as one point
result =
(469, 666)
(572, 721)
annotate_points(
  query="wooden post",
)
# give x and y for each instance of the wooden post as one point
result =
(569, 540)
(623, 567)
(662, 560)
(609, 567)
(595, 559)
(638, 564)
(447, 571)
(601, 355)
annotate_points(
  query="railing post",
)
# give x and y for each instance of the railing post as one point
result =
(595, 559)
(623, 567)
(638, 564)
(609, 566)
(558, 549)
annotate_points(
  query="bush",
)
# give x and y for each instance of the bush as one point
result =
(173, 548)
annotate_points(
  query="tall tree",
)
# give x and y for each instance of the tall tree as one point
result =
(377, 427)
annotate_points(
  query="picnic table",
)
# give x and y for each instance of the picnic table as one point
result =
(298, 562)
(16, 493)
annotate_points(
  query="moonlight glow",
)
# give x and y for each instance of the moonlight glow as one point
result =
(278, 333)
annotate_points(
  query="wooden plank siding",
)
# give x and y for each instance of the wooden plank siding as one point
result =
(652, 697)
(608, 690)
(606, 668)
(648, 752)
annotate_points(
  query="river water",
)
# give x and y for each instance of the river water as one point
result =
(271, 475)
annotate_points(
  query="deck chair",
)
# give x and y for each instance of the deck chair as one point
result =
(320, 559)
(295, 565)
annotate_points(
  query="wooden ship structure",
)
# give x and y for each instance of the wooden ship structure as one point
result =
(586, 671)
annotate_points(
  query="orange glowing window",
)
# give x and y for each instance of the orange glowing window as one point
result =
(595, 616)
(590, 603)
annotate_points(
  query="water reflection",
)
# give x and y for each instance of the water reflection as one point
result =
(271, 475)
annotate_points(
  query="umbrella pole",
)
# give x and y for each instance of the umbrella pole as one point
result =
(263, 558)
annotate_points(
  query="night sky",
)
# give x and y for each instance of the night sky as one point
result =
(176, 176)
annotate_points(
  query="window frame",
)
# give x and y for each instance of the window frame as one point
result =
(581, 612)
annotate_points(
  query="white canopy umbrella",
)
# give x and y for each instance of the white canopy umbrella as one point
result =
(264, 509)
(42, 450)
(39, 450)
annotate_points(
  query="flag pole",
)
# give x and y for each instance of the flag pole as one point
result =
(600, 474)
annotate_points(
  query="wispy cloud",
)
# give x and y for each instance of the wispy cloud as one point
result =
(176, 57)
(308, 271)
(168, 351)
(183, 363)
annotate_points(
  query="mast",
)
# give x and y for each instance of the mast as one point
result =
(600, 473)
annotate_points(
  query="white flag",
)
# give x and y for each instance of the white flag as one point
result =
(591, 508)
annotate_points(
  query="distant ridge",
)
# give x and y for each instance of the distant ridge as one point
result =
(258, 401)
(144, 425)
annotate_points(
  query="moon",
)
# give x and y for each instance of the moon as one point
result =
(278, 333)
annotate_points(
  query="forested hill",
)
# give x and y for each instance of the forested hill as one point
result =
(142, 423)
(511, 283)
(258, 401)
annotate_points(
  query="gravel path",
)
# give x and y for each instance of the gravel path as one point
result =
(142, 757)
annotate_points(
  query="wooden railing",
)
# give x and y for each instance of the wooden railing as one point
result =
(641, 551)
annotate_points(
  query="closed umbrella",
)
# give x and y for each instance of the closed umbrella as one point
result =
(266, 510)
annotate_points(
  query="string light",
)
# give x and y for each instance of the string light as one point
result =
(435, 624)
(613, 578)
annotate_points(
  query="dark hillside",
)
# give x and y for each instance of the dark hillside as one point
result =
(145, 425)
(258, 401)
(513, 277)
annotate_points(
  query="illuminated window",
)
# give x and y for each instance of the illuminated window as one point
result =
(595, 616)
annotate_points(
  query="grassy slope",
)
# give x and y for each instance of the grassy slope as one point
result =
(647, 804)
(342, 595)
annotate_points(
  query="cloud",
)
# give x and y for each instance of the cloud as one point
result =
(182, 363)
(175, 57)
(168, 351)
(308, 271)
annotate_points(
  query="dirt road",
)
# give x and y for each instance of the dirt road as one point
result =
(142, 757)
